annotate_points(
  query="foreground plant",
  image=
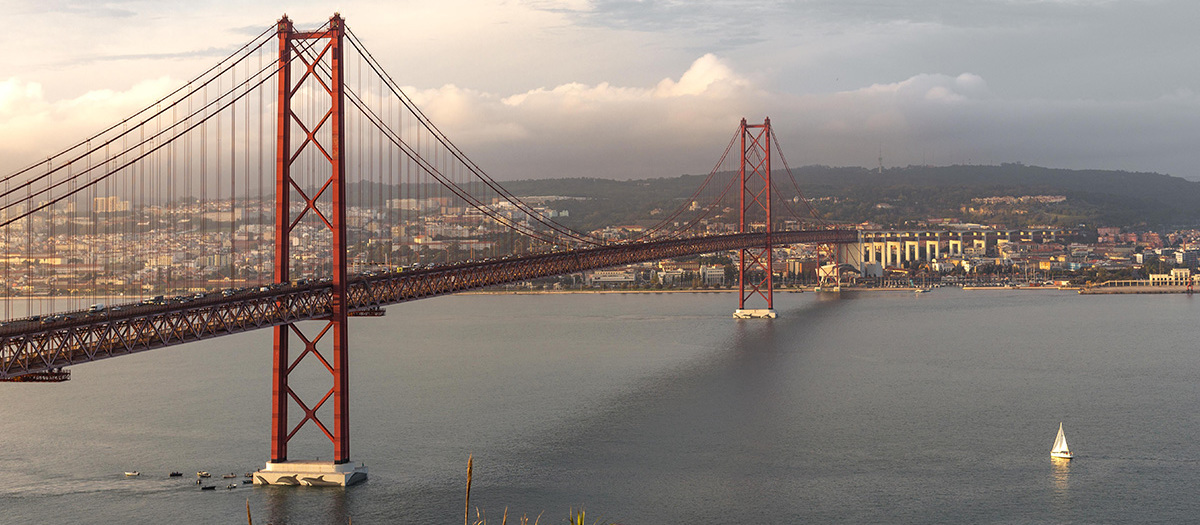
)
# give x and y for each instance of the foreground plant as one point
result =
(480, 519)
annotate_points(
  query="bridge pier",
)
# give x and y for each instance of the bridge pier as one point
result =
(311, 473)
(754, 313)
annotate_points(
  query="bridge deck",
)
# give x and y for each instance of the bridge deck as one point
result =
(29, 346)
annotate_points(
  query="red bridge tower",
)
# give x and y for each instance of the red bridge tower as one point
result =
(755, 265)
(320, 54)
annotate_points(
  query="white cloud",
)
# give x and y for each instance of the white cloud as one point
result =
(32, 127)
(601, 130)
(707, 73)
(16, 95)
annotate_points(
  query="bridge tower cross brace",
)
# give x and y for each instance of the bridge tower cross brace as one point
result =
(755, 174)
(320, 54)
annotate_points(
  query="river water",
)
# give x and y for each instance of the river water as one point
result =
(885, 407)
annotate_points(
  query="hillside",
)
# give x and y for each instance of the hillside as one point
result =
(1093, 197)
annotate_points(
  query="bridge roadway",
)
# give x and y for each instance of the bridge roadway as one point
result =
(31, 346)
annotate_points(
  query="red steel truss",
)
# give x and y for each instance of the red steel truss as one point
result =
(334, 331)
(755, 175)
(28, 346)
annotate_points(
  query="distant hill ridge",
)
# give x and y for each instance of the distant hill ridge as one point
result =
(1117, 198)
(1136, 200)
(1137, 184)
(1095, 197)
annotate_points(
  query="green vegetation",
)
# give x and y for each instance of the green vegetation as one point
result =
(905, 195)
(1093, 197)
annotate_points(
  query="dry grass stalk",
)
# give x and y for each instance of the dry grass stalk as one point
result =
(467, 511)
(574, 519)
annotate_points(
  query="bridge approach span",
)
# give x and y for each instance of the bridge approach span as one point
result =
(31, 346)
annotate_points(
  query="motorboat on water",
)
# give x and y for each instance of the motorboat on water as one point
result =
(203, 474)
(175, 474)
(132, 473)
(229, 476)
(1060, 449)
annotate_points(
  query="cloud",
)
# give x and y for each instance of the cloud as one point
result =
(662, 15)
(931, 88)
(706, 75)
(15, 94)
(33, 127)
(942, 119)
(210, 52)
(680, 124)
(598, 130)
(92, 10)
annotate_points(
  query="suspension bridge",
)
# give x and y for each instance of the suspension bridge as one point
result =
(294, 185)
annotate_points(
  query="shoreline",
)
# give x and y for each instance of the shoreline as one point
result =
(908, 289)
(1171, 289)
(809, 289)
(1034, 288)
(564, 292)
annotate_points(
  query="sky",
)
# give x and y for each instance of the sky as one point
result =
(656, 88)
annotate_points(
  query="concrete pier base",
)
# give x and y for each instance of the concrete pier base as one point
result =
(311, 473)
(763, 313)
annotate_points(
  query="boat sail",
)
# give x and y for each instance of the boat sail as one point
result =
(1060, 449)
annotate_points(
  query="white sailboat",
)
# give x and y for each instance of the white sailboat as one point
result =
(1060, 449)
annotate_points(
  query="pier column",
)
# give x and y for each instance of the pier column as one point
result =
(912, 250)
(931, 250)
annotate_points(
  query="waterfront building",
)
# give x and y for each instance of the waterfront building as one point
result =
(611, 277)
(899, 247)
(670, 277)
(1177, 277)
(713, 275)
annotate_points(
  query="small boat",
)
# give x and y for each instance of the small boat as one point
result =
(1060, 449)
(203, 474)
(247, 481)
(175, 474)
(249, 475)
(229, 476)
(132, 473)
(230, 486)
(209, 487)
